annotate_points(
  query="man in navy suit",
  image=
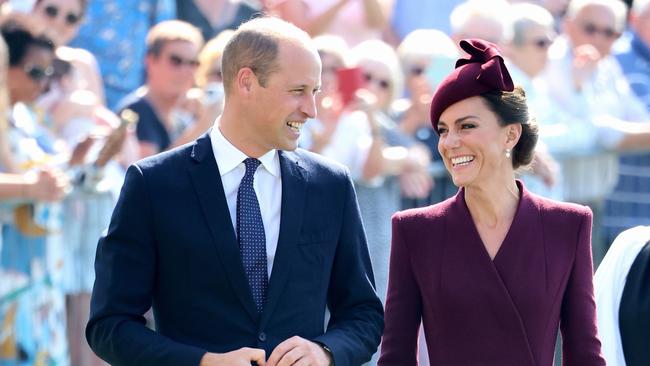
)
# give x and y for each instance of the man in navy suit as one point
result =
(183, 237)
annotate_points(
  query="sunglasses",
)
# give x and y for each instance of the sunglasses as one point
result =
(52, 11)
(178, 61)
(591, 29)
(383, 83)
(417, 71)
(542, 43)
(38, 73)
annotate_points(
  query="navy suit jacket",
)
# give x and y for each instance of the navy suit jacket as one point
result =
(171, 246)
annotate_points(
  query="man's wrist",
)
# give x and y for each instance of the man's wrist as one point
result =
(328, 352)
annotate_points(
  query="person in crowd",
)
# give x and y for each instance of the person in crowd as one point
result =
(632, 53)
(45, 185)
(625, 207)
(214, 16)
(383, 161)
(247, 229)
(426, 55)
(353, 20)
(34, 318)
(115, 32)
(621, 286)
(588, 85)
(75, 111)
(172, 50)
(209, 78)
(526, 58)
(493, 271)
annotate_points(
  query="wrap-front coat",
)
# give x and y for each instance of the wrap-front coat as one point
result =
(499, 312)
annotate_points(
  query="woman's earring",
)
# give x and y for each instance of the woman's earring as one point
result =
(508, 153)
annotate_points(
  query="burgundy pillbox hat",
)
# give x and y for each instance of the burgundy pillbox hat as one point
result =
(483, 72)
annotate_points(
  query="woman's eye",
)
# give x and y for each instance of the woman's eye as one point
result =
(465, 126)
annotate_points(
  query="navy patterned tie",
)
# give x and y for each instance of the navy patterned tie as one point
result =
(250, 232)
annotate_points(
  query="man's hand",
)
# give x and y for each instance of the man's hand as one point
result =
(241, 357)
(299, 352)
(585, 62)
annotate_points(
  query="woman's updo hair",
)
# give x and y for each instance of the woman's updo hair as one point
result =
(510, 108)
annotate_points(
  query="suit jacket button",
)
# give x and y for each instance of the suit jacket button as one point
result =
(262, 337)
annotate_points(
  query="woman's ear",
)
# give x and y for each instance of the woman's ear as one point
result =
(513, 134)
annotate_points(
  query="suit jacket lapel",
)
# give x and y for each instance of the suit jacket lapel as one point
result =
(207, 183)
(294, 187)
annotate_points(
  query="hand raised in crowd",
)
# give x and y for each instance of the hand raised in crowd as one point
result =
(80, 150)
(585, 61)
(46, 185)
(545, 167)
(299, 351)
(241, 357)
(330, 107)
(417, 115)
(415, 180)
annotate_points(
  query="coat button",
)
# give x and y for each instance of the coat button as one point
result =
(262, 337)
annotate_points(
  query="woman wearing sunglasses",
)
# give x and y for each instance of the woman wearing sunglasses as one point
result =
(493, 272)
(75, 107)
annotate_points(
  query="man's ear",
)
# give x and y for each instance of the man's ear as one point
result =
(245, 80)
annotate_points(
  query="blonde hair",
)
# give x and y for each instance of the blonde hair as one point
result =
(381, 52)
(332, 45)
(212, 51)
(428, 44)
(494, 11)
(170, 31)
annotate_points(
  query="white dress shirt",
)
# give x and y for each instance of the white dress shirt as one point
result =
(267, 184)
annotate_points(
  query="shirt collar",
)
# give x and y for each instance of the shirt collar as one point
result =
(228, 157)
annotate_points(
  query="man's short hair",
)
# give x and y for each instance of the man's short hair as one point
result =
(170, 31)
(255, 45)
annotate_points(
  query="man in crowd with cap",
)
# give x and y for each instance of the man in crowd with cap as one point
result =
(238, 242)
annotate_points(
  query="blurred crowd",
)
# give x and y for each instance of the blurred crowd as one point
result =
(88, 87)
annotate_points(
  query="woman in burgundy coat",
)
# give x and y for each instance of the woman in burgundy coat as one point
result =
(494, 271)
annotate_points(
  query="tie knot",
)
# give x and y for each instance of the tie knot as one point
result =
(251, 165)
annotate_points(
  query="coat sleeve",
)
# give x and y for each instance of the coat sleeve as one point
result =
(580, 343)
(125, 267)
(403, 305)
(357, 318)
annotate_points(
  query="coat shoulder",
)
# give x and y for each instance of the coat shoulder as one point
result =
(425, 216)
(561, 211)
